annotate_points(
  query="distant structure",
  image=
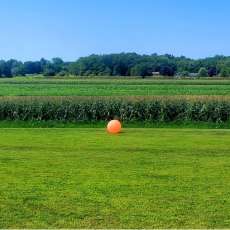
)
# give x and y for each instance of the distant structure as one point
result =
(186, 74)
(156, 73)
(193, 74)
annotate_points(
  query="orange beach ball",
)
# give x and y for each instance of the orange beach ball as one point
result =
(114, 126)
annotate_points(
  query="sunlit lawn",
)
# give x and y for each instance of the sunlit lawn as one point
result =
(142, 178)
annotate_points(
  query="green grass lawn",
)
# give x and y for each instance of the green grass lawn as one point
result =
(111, 87)
(142, 178)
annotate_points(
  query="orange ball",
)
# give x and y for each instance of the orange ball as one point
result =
(114, 126)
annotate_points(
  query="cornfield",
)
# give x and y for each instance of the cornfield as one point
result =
(129, 109)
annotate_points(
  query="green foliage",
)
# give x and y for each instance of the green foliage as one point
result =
(78, 109)
(32, 67)
(225, 72)
(183, 74)
(212, 71)
(166, 70)
(6, 67)
(18, 70)
(123, 64)
(49, 71)
(203, 72)
(62, 73)
(142, 69)
(57, 64)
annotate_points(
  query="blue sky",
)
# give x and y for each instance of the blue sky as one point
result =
(31, 29)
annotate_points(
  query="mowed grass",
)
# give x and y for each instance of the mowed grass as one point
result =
(142, 178)
(111, 87)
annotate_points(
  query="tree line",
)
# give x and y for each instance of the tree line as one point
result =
(123, 64)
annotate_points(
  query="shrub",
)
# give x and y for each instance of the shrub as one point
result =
(225, 72)
(203, 72)
(183, 74)
(49, 72)
(62, 73)
(212, 71)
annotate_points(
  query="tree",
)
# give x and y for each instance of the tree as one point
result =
(166, 70)
(142, 69)
(18, 70)
(183, 74)
(49, 70)
(122, 64)
(31, 67)
(74, 68)
(6, 67)
(62, 73)
(203, 72)
(2, 65)
(58, 64)
(43, 64)
(212, 71)
(225, 72)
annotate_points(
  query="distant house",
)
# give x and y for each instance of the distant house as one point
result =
(156, 73)
(185, 74)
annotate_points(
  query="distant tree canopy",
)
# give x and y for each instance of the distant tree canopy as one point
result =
(203, 72)
(123, 64)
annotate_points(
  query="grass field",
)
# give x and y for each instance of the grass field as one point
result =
(111, 87)
(142, 178)
(152, 175)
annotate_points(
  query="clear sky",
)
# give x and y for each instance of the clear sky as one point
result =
(31, 29)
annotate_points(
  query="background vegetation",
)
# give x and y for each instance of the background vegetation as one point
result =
(85, 86)
(123, 64)
(127, 109)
